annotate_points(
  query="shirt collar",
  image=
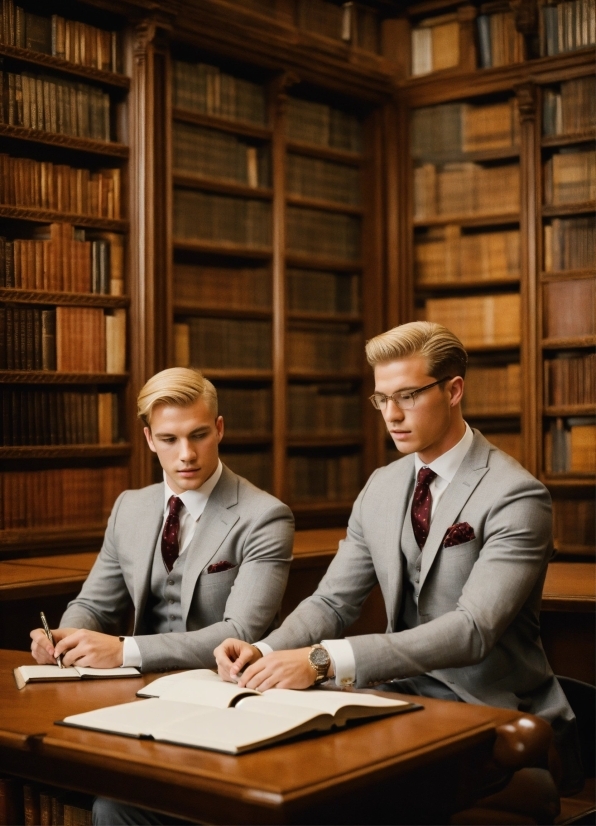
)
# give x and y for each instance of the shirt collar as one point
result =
(194, 501)
(447, 465)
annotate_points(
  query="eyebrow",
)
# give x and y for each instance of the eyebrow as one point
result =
(195, 432)
(401, 390)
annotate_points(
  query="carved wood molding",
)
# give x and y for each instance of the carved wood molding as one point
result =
(526, 101)
(525, 13)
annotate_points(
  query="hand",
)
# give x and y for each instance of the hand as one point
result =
(232, 656)
(89, 649)
(280, 669)
(42, 649)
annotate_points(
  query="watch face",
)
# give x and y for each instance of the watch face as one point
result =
(319, 657)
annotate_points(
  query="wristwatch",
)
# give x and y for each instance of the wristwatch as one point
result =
(320, 661)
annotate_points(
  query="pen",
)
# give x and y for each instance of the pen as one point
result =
(49, 635)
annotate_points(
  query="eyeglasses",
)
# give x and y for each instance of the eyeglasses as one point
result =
(404, 399)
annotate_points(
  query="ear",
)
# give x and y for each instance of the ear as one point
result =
(149, 437)
(219, 426)
(456, 391)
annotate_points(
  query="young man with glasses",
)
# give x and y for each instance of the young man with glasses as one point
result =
(457, 534)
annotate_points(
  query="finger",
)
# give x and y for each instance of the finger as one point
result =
(40, 655)
(68, 642)
(244, 658)
(39, 639)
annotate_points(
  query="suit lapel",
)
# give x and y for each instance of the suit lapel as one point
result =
(397, 504)
(469, 474)
(214, 525)
(146, 533)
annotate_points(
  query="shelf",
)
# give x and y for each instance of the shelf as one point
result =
(240, 375)
(17, 296)
(52, 62)
(324, 206)
(224, 248)
(221, 185)
(322, 376)
(459, 286)
(58, 536)
(568, 480)
(48, 216)
(53, 377)
(492, 348)
(580, 208)
(221, 312)
(64, 451)
(111, 149)
(587, 136)
(326, 152)
(569, 343)
(236, 127)
(564, 275)
(570, 410)
(491, 414)
(331, 318)
(324, 440)
(575, 550)
(315, 262)
(496, 219)
(316, 506)
(504, 153)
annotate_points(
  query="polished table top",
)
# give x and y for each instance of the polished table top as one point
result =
(443, 745)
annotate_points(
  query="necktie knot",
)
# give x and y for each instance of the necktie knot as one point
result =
(425, 476)
(175, 505)
(421, 505)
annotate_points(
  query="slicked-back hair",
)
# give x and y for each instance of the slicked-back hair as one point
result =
(177, 386)
(444, 353)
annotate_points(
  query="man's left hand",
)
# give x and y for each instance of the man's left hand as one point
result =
(90, 649)
(280, 669)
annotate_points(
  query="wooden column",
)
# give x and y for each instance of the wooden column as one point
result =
(530, 232)
(150, 210)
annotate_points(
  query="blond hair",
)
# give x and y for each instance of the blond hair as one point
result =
(444, 353)
(178, 386)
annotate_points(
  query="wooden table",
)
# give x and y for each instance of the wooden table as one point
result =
(412, 768)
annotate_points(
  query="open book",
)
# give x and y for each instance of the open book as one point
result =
(196, 708)
(46, 673)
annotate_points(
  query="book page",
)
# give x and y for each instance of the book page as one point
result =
(200, 686)
(137, 719)
(31, 673)
(107, 672)
(331, 702)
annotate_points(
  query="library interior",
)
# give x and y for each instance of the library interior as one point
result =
(257, 188)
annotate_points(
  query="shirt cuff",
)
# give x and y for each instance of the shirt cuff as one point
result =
(344, 662)
(263, 648)
(131, 654)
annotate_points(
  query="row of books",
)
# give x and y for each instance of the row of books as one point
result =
(492, 389)
(70, 40)
(569, 308)
(456, 128)
(435, 44)
(571, 108)
(499, 43)
(570, 177)
(465, 189)
(232, 287)
(55, 105)
(323, 125)
(245, 409)
(317, 291)
(446, 254)
(478, 320)
(326, 478)
(574, 523)
(56, 497)
(324, 348)
(36, 416)
(213, 154)
(570, 379)
(59, 258)
(25, 182)
(253, 465)
(323, 409)
(570, 446)
(218, 343)
(567, 26)
(569, 244)
(200, 87)
(202, 216)
(508, 442)
(66, 339)
(327, 180)
(325, 234)
(32, 803)
(322, 17)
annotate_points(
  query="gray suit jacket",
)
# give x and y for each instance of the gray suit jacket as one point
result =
(479, 602)
(241, 524)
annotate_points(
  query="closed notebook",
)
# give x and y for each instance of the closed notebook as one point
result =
(196, 708)
(47, 673)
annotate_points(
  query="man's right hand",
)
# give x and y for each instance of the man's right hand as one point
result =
(234, 655)
(42, 649)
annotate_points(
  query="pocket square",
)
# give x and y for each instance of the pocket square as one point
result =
(458, 534)
(218, 567)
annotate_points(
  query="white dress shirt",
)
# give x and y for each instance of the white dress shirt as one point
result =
(194, 503)
(445, 466)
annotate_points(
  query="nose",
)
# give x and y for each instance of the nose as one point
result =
(187, 451)
(392, 412)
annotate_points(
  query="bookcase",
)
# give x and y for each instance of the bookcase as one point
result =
(64, 448)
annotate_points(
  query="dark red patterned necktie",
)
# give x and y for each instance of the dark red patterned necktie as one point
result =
(169, 538)
(421, 505)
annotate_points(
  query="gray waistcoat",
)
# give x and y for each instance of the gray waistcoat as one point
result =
(163, 613)
(411, 552)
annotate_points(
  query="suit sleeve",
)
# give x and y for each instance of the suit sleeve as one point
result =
(252, 603)
(104, 602)
(511, 564)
